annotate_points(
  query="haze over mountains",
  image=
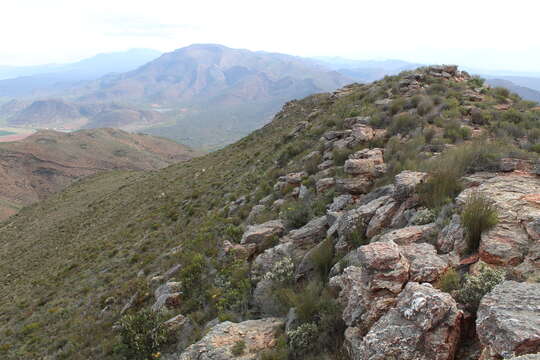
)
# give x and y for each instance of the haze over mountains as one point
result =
(203, 95)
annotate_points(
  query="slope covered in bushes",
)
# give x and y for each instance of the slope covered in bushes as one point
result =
(274, 222)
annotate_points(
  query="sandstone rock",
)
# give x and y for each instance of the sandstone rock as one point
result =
(355, 186)
(452, 237)
(167, 295)
(294, 178)
(424, 325)
(406, 182)
(516, 198)
(259, 234)
(529, 269)
(527, 357)
(264, 300)
(324, 184)
(362, 132)
(181, 328)
(340, 202)
(425, 264)
(350, 122)
(508, 320)
(409, 234)
(278, 203)
(381, 218)
(327, 164)
(255, 211)
(384, 266)
(258, 336)
(336, 134)
(265, 261)
(309, 234)
(360, 167)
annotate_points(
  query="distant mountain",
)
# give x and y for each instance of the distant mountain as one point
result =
(525, 92)
(213, 94)
(48, 161)
(365, 70)
(46, 79)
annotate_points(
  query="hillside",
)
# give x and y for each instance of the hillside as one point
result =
(348, 227)
(524, 92)
(61, 114)
(48, 161)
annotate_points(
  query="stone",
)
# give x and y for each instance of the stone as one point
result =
(327, 164)
(264, 300)
(181, 328)
(324, 184)
(409, 234)
(255, 211)
(364, 167)
(265, 261)
(267, 200)
(362, 133)
(294, 178)
(292, 321)
(309, 234)
(425, 264)
(451, 237)
(167, 295)
(303, 192)
(350, 122)
(423, 325)
(354, 186)
(259, 234)
(517, 198)
(508, 320)
(336, 134)
(258, 335)
(278, 203)
(405, 183)
(382, 218)
(529, 269)
(340, 202)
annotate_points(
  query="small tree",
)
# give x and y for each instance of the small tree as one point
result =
(478, 215)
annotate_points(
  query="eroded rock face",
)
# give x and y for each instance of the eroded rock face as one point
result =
(167, 295)
(424, 325)
(258, 336)
(409, 235)
(452, 237)
(406, 182)
(508, 321)
(517, 199)
(258, 234)
(425, 264)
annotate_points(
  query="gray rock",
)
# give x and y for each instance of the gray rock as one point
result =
(255, 211)
(424, 325)
(382, 218)
(508, 319)
(265, 261)
(406, 182)
(258, 335)
(356, 186)
(181, 328)
(309, 234)
(324, 184)
(410, 234)
(425, 264)
(340, 202)
(452, 237)
(292, 321)
(259, 234)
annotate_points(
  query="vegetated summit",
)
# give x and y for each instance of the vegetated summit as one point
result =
(393, 219)
(208, 95)
(47, 161)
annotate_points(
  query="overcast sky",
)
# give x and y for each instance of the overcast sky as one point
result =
(490, 34)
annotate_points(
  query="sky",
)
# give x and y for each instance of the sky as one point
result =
(489, 34)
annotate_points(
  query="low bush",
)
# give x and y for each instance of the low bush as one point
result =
(238, 348)
(404, 124)
(295, 213)
(142, 334)
(340, 156)
(322, 258)
(476, 286)
(477, 216)
(302, 339)
(449, 281)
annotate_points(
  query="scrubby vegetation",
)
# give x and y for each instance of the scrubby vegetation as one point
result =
(478, 215)
(476, 286)
(117, 234)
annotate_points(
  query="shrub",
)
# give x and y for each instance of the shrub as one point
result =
(449, 281)
(340, 156)
(404, 124)
(424, 106)
(477, 216)
(303, 338)
(311, 164)
(476, 82)
(238, 348)
(282, 272)
(423, 217)
(278, 352)
(322, 257)
(295, 214)
(142, 334)
(476, 286)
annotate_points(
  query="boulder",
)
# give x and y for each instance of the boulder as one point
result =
(405, 183)
(355, 186)
(362, 133)
(255, 211)
(265, 261)
(262, 233)
(324, 184)
(181, 328)
(508, 320)
(452, 237)
(517, 200)
(310, 234)
(360, 167)
(409, 234)
(425, 264)
(258, 335)
(167, 295)
(382, 218)
(424, 325)
(340, 202)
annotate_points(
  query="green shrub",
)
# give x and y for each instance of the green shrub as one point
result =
(311, 164)
(295, 214)
(404, 124)
(303, 339)
(142, 334)
(477, 216)
(238, 348)
(449, 281)
(279, 352)
(424, 105)
(476, 82)
(476, 286)
(340, 156)
(282, 272)
(322, 257)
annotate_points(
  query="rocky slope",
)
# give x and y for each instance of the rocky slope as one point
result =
(48, 161)
(391, 220)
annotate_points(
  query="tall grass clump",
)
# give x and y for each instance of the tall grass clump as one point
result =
(478, 215)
